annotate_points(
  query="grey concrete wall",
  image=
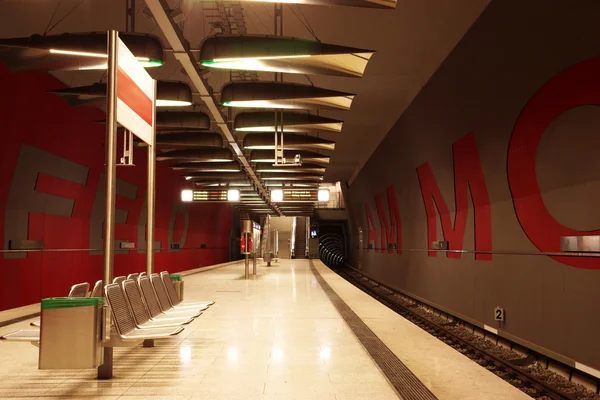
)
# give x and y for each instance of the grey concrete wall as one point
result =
(511, 52)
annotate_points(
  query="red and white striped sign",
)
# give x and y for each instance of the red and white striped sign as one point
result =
(135, 96)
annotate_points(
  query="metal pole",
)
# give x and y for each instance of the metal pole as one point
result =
(150, 200)
(282, 149)
(254, 263)
(247, 268)
(276, 134)
(105, 370)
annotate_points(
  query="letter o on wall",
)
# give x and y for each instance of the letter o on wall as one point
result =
(577, 86)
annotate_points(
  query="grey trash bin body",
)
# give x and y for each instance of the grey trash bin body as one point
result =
(178, 282)
(70, 333)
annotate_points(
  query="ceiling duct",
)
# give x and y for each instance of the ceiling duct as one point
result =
(264, 121)
(266, 141)
(268, 156)
(286, 184)
(168, 94)
(284, 95)
(196, 154)
(223, 184)
(283, 54)
(207, 167)
(187, 139)
(301, 169)
(217, 177)
(291, 177)
(74, 51)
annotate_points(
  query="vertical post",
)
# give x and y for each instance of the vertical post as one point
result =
(281, 144)
(151, 189)
(276, 145)
(254, 263)
(105, 371)
(247, 267)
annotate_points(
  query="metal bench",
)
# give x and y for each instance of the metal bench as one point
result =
(78, 290)
(163, 297)
(141, 315)
(97, 291)
(175, 302)
(133, 276)
(155, 303)
(125, 324)
(119, 279)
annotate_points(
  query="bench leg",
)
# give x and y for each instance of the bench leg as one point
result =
(105, 371)
(148, 343)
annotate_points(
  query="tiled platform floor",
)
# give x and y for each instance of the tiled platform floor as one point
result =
(276, 336)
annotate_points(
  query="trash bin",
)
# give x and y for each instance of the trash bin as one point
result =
(70, 333)
(268, 258)
(178, 282)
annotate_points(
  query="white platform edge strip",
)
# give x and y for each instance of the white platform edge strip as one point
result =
(490, 329)
(587, 370)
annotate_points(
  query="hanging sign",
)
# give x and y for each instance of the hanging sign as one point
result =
(135, 95)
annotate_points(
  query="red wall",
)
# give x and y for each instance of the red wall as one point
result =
(29, 115)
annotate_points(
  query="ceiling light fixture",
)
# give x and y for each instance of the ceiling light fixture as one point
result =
(168, 94)
(265, 141)
(264, 121)
(233, 195)
(196, 154)
(342, 3)
(282, 54)
(207, 167)
(187, 195)
(323, 195)
(267, 156)
(276, 195)
(74, 51)
(283, 95)
(187, 139)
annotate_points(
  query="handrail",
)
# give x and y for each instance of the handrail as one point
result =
(116, 250)
(503, 252)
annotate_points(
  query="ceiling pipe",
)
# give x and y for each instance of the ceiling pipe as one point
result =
(181, 51)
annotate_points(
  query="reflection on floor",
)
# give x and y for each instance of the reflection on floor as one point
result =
(276, 336)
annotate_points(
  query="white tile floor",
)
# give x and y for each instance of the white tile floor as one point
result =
(276, 336)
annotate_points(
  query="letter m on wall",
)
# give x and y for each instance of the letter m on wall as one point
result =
(468, 176)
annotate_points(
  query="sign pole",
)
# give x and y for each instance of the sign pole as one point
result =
(105, 371)
(151, 198)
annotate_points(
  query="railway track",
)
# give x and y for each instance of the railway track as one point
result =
(508, 371)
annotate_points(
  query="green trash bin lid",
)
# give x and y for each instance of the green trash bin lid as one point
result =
(175, 277)
(70, 302)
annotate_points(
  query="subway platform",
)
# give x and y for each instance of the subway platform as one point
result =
(295, 331)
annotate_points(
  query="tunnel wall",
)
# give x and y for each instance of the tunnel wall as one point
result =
(503, 144)
(51, 189)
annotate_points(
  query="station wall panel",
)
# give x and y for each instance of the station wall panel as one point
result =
(51, 189)
(498, 155)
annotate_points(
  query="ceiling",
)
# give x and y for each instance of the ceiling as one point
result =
(410, 44)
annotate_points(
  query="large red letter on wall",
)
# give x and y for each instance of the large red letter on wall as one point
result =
(468, 176)
(577, 86)
(371, 230)
(388, 233)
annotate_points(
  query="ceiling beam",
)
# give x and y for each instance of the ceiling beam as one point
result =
(181, 51)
